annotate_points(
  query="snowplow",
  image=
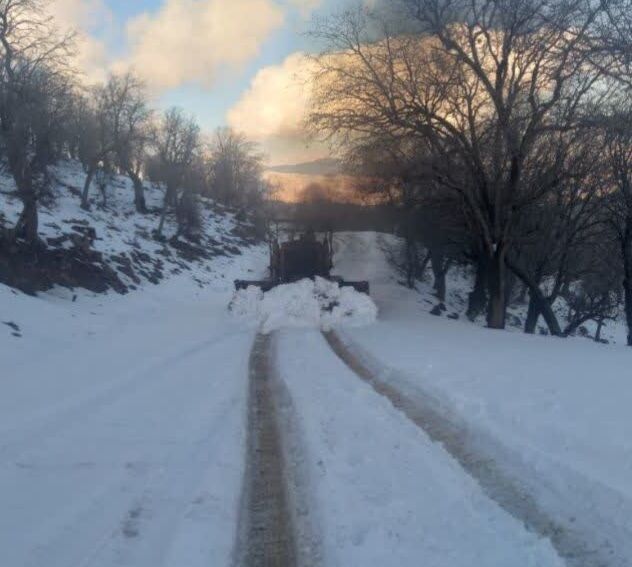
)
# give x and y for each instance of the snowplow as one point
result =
(306, 256)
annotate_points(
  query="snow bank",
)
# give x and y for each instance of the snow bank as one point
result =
(306, 303)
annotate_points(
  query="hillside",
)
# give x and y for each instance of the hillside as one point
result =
(112, 247)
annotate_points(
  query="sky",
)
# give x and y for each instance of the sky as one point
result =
(231, 63)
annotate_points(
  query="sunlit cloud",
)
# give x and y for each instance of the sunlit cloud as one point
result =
(306, 7)
(192, 41)
(84, 17)
(273, 111)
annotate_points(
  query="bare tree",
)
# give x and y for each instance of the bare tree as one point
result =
(236, 167)
(177, 144)
(94, 136)
(558, 230)
(618, 200)
(34, 89)
(115, 128)
(482, 83)
(132, 134)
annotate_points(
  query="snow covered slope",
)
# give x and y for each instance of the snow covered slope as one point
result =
(556, 412)
(122, 240)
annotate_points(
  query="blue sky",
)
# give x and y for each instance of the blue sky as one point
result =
(211, 105)
(201, 55)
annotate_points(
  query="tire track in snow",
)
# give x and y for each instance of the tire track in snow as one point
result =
(266, 534)
(498, 485)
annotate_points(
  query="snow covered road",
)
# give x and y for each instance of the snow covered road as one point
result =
(552, 414)
(126, 447)
(384, 493)
(124, 438)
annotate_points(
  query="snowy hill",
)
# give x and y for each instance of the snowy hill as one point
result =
(116, 241)
(117, 253)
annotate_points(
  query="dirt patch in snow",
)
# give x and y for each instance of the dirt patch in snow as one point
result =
(266, 534)
(38, 268)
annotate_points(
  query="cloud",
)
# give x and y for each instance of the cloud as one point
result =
(191, 41)
(84, 17)
(306, 7)
(273, 109)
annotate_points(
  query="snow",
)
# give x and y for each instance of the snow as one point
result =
(123, 418)
(386, 494)
(554, 412)
(122, 234)
(123, 444)
(122, 428)
(317, 303)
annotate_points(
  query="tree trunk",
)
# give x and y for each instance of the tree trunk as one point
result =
(477, 299)
(542, 304)
(163, 214)
(21, 170)
(86, 188)
(533, 314)
(139, 192)
(497, 306)
(104, 194)
(424, 265)
(28, 223)
(438, 270)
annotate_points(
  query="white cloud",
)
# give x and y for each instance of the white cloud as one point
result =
(191, 41)
(306, 7)
(273, 110)
(84, 17)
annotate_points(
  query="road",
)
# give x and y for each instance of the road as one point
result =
(170, 435)
(124, 446)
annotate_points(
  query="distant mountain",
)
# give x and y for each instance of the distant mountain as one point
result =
(326, 166)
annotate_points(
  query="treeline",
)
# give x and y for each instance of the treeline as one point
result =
(501, 130)
(47, 114)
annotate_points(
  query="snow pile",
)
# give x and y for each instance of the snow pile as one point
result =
(306, 303)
